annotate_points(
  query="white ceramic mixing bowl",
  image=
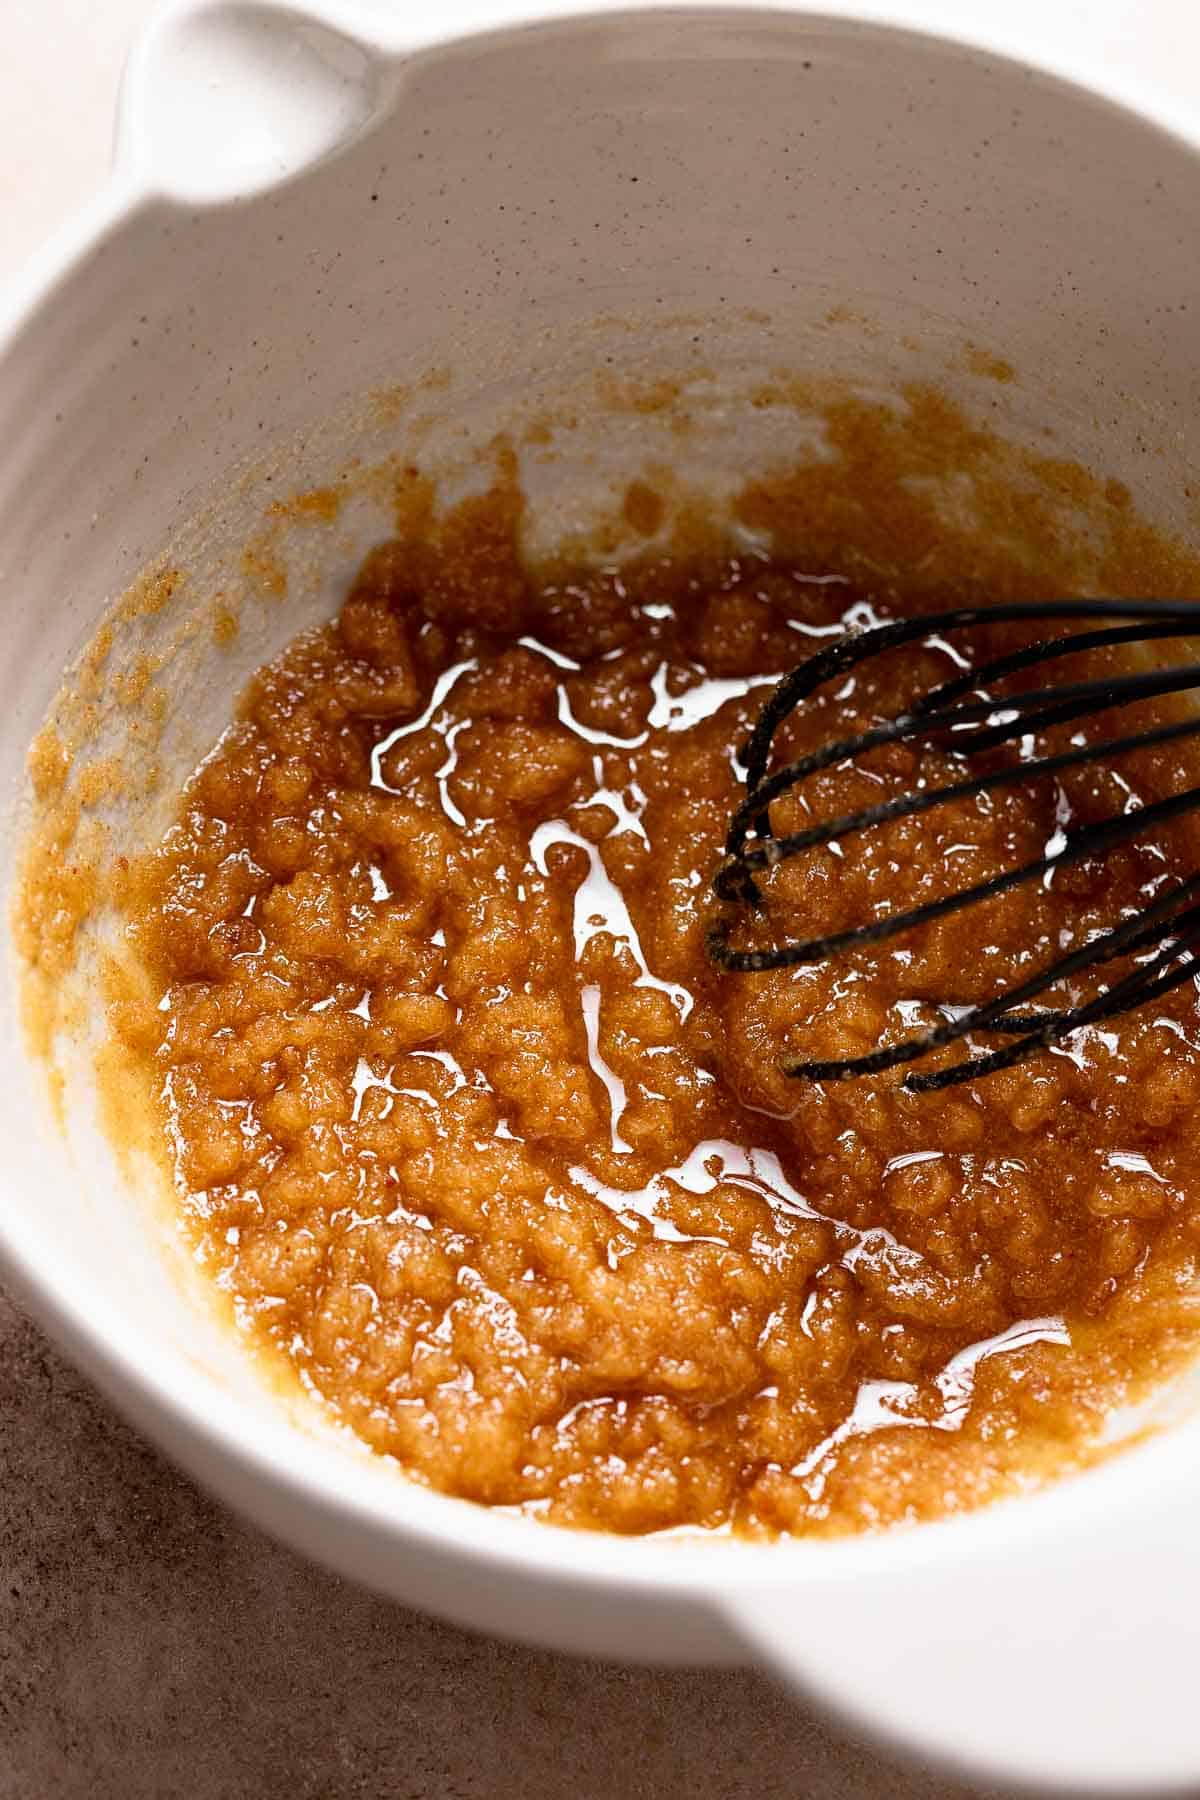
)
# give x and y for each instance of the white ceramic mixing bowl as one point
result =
(309, 205)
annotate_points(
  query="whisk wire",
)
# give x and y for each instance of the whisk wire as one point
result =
(995, 1014)
(1045, 650)
(1090, 840)
(967, 727)
(1022, 714)
(1123, 997)
(778, 849)
(847, 652)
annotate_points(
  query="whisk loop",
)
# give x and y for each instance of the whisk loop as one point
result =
(966, 718)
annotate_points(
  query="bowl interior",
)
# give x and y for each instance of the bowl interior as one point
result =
(650, 242)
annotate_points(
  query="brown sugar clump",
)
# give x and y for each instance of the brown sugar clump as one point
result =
(510, 1175)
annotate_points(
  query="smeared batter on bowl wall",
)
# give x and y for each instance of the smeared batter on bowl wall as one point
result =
(477, 1141)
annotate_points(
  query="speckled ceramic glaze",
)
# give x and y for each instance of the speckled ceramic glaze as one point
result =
(306, 209)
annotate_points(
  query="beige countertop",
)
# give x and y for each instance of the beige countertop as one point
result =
(151, 1644)
(154, 1647)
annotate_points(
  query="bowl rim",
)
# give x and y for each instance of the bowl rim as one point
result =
(173, 1399)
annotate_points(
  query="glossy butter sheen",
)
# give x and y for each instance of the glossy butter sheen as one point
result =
(482, 1146)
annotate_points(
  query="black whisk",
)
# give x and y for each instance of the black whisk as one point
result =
(965, 717)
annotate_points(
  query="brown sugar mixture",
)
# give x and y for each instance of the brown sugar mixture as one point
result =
(482, 1145)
